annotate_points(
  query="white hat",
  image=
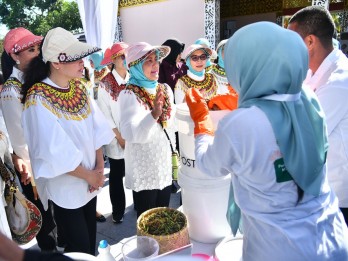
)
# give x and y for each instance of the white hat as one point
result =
(221, 44)
(194, 47)
(137, 52)
(60, 45)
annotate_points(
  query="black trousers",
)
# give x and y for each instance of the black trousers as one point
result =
(79, 227)
(116, 188)
(147, 199)
(45, 239)
(345, 214)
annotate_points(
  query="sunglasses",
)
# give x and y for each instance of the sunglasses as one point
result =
(202, 57)
(122, 56)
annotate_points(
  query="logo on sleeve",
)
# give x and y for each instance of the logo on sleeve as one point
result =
(282, 175)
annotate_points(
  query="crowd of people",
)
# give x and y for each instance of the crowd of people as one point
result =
(283, 143)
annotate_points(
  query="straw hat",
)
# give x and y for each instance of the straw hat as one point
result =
(221, 44)
(112, 53)
(137, 52)
(194, 47)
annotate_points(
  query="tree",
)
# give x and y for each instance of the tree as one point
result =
(39, 16)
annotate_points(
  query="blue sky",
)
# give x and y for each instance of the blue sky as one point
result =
(3, 31)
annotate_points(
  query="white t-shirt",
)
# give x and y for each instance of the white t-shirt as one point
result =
(330, 83)
(63, 128)
(275, 226)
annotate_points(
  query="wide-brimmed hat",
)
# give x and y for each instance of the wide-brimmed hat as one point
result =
(115, 51)
(137, 52)
(62, 46)
(194, 47)
(97, 58)
(221, 44)
(20, 39)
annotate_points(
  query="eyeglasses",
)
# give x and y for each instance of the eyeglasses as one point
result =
(202, 57)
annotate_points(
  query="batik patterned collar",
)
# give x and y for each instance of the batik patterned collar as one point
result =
(71, 103)
(13, 83)
(219, 71)
(111, 86)
(207, 87)
(148, 100)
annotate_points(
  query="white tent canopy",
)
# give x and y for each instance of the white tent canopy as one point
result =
(99, 20)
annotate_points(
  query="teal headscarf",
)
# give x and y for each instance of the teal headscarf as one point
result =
(137, 76)
(266, 64)
(96, 59)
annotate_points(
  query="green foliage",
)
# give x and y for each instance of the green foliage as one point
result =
(39, 16)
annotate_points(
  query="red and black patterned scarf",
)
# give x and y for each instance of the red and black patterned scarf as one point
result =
(111, 86)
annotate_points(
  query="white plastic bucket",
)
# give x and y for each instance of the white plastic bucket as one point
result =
(204, 202)
(187, 142)
(204, 198)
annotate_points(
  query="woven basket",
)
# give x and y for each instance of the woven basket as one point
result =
(166, 242)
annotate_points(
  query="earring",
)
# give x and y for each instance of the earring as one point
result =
(18, 62)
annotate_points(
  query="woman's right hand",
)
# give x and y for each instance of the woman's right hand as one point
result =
(22, 168)
(95, 180)
(158, 104)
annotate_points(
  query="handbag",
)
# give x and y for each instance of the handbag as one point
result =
(24, 218)
(175, 158)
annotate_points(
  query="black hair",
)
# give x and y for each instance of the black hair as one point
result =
(7, 64)
(86, 74)
(36, 71)
(315, 20)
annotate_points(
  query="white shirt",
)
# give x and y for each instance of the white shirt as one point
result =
(59, 141)
(275, 226)
(6, 158)
(12, 112)
(107, 102)
(330, 83)
(147, 157)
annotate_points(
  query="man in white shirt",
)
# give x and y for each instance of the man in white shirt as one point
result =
(328, 78)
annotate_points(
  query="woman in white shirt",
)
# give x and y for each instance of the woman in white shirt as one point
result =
(196, 57)
(65, 131)
(146, 111)
(109, 89)
(20, 47)
(274, 147)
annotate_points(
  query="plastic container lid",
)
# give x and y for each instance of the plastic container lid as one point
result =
(230, 248)
(103, 244)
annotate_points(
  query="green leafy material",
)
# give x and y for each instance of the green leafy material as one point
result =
(164, 222)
